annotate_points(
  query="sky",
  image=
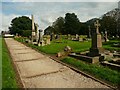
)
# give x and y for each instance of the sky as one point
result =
(47, 11)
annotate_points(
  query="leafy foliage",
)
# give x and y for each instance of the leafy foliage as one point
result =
(72, 24)
(20, 24)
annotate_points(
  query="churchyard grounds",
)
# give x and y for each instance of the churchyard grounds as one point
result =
(106, 74)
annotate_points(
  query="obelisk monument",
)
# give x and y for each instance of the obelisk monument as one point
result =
(33, 30)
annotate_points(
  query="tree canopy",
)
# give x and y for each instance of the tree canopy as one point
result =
(20, 25)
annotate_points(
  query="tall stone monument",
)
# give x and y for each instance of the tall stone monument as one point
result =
(96, 46)
(37, 32)
(33, 37)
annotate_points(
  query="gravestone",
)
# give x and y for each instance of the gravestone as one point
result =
(77, 36)
(48, 39)
(80, 39)
(33, 37)
(106, 37)
(40, 40)
(96, 47)
(69, 37)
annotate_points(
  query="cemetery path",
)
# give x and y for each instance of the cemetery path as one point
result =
(39, 71)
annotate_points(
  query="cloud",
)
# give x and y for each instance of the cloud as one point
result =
(60, 0)
(47, 12)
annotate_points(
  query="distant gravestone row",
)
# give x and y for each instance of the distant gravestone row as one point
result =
(77, 37)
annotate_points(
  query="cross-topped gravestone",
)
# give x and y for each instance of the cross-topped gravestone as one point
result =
(97, 25)
(96, 47)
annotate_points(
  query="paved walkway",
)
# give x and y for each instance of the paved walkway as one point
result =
(39, 71)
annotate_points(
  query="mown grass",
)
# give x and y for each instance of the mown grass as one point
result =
(55, 46)
(109, 45)
(8, 74)
(96, 70)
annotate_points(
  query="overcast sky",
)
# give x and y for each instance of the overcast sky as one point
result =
(48, 11)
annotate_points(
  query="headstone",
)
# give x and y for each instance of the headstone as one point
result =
(33, 30)
(80, 39)
(106, 37)
(96, 47)
(76, 36)
(48, 39)
(40, 40)
(69, 36)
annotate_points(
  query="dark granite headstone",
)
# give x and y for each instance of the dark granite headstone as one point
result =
(96, 47)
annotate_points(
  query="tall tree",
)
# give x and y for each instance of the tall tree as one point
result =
(19, 24)
(109, 24)
(58, 25)
(72, 24)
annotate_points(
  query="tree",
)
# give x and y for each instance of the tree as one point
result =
(83, 29)
(20, 24)
(109, 24)
(49, 30)
(72, 24)
(58, 25)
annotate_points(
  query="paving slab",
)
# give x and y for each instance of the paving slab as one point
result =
(39, 71)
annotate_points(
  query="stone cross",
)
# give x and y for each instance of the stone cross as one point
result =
(97, 25)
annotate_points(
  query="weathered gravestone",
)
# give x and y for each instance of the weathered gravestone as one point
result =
(96, 47)
(77, 37)
(40, 40)
(106, 37)
(69, 37)
(47, 39)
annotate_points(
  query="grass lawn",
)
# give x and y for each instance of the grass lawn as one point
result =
(109, 45)
(98, 71)
(55, 46)
(8, 74)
